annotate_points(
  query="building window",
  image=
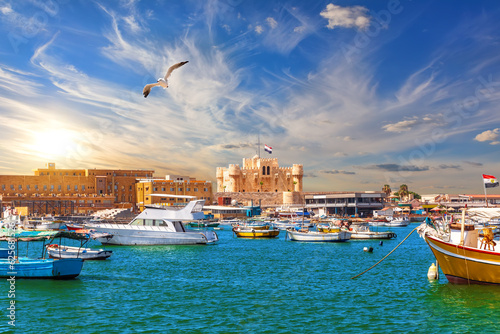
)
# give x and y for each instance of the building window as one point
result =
(20, 187)
(268, 170)
(28, 187)
(263, 170)
(44, 187)
(172, 189)
(188, 189)
(59, 188)
(195, 189)
(51, 187)
(83, 187)
(36, 187)
(76, 187)
(69, 187)
(180, 189)
(12, 187)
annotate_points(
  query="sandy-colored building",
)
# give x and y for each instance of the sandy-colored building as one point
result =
(54, 190)
(170, 191)
(260, 175)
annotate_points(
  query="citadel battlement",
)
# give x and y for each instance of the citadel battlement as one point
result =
(259, 175)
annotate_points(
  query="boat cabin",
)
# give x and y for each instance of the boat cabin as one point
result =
(177, 225)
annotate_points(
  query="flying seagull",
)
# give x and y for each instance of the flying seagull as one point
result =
(162, 81)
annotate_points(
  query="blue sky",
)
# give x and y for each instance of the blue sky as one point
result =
(362, 93)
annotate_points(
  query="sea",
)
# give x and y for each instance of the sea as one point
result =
(255, 286)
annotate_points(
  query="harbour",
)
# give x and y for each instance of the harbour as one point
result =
(249, 167)
(257, 285)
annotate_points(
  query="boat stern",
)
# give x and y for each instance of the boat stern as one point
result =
(210, 236)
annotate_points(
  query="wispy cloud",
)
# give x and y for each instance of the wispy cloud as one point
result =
(396, 168)
(335, 171)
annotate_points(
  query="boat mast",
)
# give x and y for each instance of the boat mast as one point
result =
(485, 197)
(462, 229)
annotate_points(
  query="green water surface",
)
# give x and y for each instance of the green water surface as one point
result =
(255, 286)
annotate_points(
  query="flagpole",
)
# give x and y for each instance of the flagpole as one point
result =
(259, 145)
(485, 196)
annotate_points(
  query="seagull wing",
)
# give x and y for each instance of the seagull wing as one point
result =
(173, 67)
(147, 88)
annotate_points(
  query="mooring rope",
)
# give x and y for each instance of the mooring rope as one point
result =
(386, 255)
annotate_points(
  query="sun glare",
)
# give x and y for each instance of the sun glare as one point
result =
(55, 143)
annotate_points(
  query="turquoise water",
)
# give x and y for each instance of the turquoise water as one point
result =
(256, 286)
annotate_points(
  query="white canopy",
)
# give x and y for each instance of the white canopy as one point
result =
(485, 213)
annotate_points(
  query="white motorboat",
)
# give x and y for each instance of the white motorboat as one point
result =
(160, 226)
(314, 236)
(56, 251)
(363, 232)
(398, 222)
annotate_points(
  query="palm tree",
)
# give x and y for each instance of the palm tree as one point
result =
(403, 191)
(387, 190)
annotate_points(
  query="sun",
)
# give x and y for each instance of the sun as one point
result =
(54, 143)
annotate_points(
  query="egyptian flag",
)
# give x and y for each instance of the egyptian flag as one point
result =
(490, 181)
(269, 149)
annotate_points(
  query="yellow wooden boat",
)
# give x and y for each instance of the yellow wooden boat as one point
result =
(462, 253)
(253, 233)
(328, 228)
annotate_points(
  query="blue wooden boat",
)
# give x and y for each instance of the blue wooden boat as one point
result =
(24, 267)
(12, 265)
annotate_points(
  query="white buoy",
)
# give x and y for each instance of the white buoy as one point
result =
(432, 273)
(368, 249)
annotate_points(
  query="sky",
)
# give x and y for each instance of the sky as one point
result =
(362, 93)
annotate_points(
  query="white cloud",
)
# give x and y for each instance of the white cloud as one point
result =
(259, 29)
(272, 22)
(347, 17)
(489, 135)
(5, 10)
(299, 29)
(401, 126)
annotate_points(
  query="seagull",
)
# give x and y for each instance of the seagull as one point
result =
(162, 81)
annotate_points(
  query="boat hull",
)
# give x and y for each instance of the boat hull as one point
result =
(65, 252)
(372, 235)
(41, 268)
(319, 236)
(127, 235)
(253, 234)
(463, 264)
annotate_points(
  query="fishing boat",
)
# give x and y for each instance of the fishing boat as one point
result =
(253, 225)
(232, 221)
(12, 265)
(463, 254)
(248, 232)
(315, 236)
(56, 251)
(328, 228)
(398, 222)
(23, 267)
(363, 232)
(74, 227)
(203, 224)
(160, 225)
